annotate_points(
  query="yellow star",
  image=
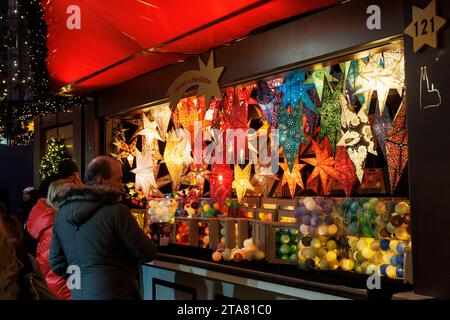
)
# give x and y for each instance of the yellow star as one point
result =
(211, 87)
(293, 178)
(424, 26)
(242, 181)
(149, 130)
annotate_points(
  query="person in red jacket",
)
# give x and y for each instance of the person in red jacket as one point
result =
(40, 227)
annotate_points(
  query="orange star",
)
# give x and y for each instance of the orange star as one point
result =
(293, 178)
(323, 165)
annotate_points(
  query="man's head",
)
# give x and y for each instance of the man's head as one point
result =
(68, 169)
(104, 171)
(26, 194)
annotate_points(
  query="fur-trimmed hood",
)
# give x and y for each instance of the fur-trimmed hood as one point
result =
(79, 205)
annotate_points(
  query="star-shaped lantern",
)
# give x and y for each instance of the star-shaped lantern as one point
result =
(197, 175)
(397, 147)
(357, 135)
(295, 90)
(323, 165)
(292, 177)
(125, 151)
(241, 181)
(425, 26)
(149, 131)
(345, 170)
(161, 115)
(373, 77)
(145, 178)
(330, 113)
(177, 156)
(264, 178)
(290, 127)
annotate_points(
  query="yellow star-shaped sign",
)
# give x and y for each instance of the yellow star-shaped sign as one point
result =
(210, 88)
(424, 26)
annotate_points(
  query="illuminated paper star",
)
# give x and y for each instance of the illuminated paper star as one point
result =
(211, 88)
(425, 26)
(241, 181)
(318, 77)
(149, 130)
(264, 178)
(292, 177)
(357, 136)
(345, 170)
(397, 147)
(373, 77)
(295, 89)
(177, 156)
(124, 149)
(145, 178)
(197, 175)
(330, 113)
(161, 115)
(323, 166)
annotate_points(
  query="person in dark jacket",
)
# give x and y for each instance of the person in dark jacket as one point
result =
(98, 236)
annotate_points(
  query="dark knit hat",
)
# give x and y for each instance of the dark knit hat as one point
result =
(66, 168)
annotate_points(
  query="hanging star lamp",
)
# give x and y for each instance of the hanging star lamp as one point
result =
(345, 170)
(381, 126)
(397, 147)
(221, 183)
(374, 77)
(323, 166)
(292, 177)
(197, 175)
(318, 77)
(145, 178)
(149, 130)
(330, 114)
(295, 90)
(177, 156)
(125, 151)
(290, 125)
(241, 182)
(161, 115)
(264, 178)
(357, 135)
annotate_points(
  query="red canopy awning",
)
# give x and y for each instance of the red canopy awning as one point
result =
(122, 39)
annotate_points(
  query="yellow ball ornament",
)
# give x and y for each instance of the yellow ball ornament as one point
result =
(367, 253)
(347, 264)
(361, 244)
(322, 230)
(332, 229)
(331, 256)
(331, 245)
(316, 243)
(391, 271)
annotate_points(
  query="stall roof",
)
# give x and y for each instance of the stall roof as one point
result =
(122, 39)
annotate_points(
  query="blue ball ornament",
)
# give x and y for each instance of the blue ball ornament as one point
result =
(384, 245)
(393, 260)
(298, 212)
(383, 269)
(306, 220)
(354, 206)
(316, 220)
(400, 260)
(401, 247)
(303, 211)
(400, 272)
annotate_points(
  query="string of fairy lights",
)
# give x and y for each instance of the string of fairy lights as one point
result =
(37, 99)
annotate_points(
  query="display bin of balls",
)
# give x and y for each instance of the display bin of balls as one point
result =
(197, 232)
(322, 234)
(364, 235)
(162, 233)
(283, 243)
(182, 230)
(379, 235)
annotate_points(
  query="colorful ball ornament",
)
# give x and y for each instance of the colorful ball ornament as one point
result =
(323, 264)
(401, 234)
(399, 272)
(237, 257)
(367, 253)
(216, 256)
(331, 256)
(347, 264)
(309, 253)
(316, 243)
(306, 241)
(309, 202)
(285, 249)
(322, 230)
(402, 208)
(309, 264)
(384, 245)
(380, 208)
(332, 229)
(393, 245)
(377, 258)
(304, 229)
(407, 219)
(260, 255)
(371, 269)
(331, 245)
(375, 245)
(383, 269)
(387, 257)
(321, 253)
(396, 220)
(401, 247)
(361, 244)
(391, 271)
(285, 238)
